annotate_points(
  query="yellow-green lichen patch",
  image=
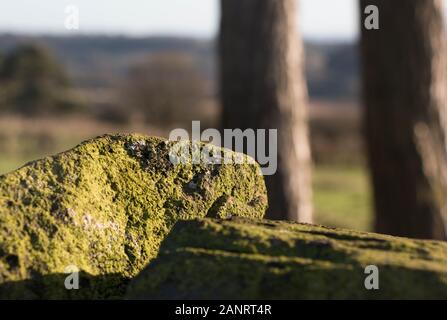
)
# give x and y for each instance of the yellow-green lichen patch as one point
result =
(261, 259)
(104, 207)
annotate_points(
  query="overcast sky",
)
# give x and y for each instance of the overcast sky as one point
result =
(321, 19)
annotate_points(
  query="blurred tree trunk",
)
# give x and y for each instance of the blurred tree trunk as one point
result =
(405, 119)
(263, 86)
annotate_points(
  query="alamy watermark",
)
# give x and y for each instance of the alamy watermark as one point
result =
(252, 142)
(372, 18)
(72, 280)
(372, 280)
(71, 21)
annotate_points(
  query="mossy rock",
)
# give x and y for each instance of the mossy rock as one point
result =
(104, 207)
(260, 259)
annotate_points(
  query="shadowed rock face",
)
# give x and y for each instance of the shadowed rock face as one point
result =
(260, 259)
(104, 207)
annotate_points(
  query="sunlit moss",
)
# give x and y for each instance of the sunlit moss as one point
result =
(105, 206)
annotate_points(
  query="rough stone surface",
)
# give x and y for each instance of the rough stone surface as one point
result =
(104, 207)
(260, 259)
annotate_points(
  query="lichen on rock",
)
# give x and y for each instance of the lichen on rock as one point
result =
(104, 207)
(241, 258)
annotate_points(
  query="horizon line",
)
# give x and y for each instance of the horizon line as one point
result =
(58, 34)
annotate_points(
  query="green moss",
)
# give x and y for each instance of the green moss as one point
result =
(104, 207)
(259, 259)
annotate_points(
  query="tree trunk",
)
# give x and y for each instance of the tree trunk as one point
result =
(263, 87)
(405, 118)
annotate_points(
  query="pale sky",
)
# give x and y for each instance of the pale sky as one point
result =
(319, 19)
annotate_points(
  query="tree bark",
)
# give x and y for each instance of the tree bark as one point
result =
(405, 119)
(263, 87)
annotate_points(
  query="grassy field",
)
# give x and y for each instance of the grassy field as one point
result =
(342, 197)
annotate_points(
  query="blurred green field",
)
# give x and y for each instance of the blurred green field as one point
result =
(342, 197)
(8, 163)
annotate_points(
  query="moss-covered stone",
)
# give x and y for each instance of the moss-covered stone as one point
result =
(260, 259)
(104, 207)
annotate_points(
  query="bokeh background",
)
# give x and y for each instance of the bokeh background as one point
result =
(149, 67)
